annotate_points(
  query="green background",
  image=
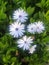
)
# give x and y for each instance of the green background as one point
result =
(38, 10)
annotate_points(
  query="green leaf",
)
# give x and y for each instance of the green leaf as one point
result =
(38, 4)
(41, 16)
(13, 59)
(30, 10)
(47, 15)
(41, 4)
(46, 39)
(2, 15)
(47, 3)
(32, 20)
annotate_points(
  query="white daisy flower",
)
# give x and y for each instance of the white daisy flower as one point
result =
(31, 28)
(39, 27)
(32, 49)
(17, 29)
(25, 42)
(36, 27)
(20, 15)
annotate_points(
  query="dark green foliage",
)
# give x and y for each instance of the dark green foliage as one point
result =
(9, 53)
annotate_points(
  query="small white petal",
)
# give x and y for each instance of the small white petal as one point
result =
(32, 49)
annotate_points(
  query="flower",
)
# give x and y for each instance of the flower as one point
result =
(20, 15)
(31, 28)
(17, 29)
(36, 27)
(39, 27)
(32, 49)
(25, 42)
